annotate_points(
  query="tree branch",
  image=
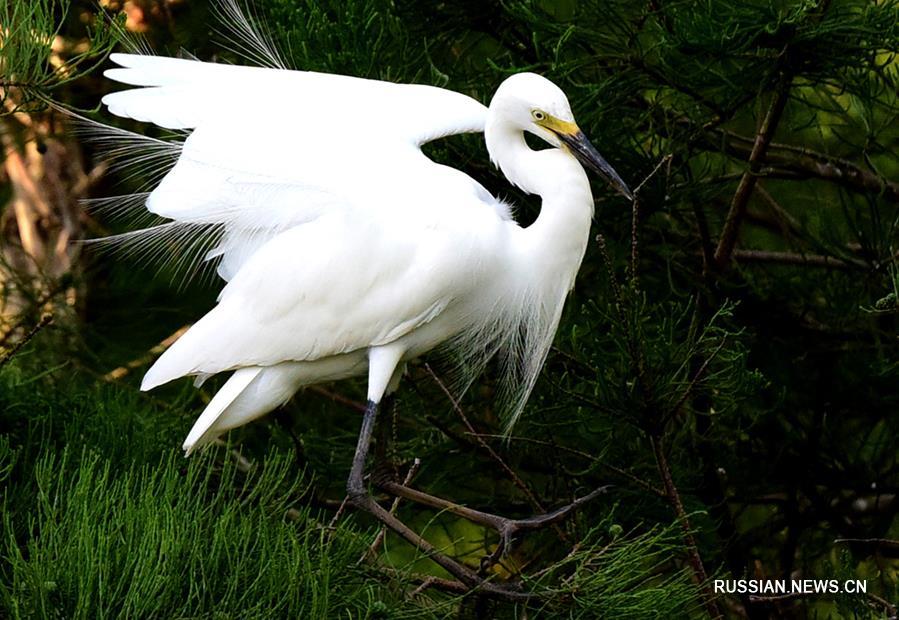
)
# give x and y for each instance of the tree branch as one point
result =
(794, 162)
(731, 229)
(45, 320)
(695, 559)
(516, 480)
(810, 163)
(791, 258)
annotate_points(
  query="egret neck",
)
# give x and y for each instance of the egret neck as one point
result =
(554, 245)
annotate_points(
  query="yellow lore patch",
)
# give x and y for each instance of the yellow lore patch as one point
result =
(559, 126)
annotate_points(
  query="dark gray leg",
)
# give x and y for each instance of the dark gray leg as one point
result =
(359, 496)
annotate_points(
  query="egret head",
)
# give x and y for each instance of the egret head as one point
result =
(531, 103)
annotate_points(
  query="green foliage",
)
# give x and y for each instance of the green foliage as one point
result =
(177, 539)
(102, 517)
(623, 576)
(36, 58)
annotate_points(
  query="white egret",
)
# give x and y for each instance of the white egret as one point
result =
(347, 251)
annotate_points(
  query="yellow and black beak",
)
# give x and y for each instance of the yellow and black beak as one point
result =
(578, 145)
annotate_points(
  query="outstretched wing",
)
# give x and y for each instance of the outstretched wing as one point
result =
(179, 93)
(272, 148)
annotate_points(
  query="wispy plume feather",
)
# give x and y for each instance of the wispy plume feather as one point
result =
(169, 246)
(245, 36)
(517, 335)
(181, 249)
(128, 154)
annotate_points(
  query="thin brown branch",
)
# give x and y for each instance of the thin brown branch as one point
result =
(143, 360)
(424, 581)
(615, 470)
(790, 596)
(40, 304)
(635, 245)
(516, 480)
(887, 543)
(379, 539)
(697, 377)
(887, 606)
(705, 237)
(447, 585)
(514, 477)
(728, 239)
(44, 322)
(787, 223)
(792, 258)
(695, 560)
(795, 162)
(337, 398)
(635, 219)
(665, 160)
(771, 598)
(811, 164)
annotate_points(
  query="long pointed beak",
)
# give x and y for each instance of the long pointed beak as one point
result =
(587, 154)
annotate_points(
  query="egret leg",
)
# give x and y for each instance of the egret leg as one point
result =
(359, 496)
(283, 420)
(506, 527)
(383, 465)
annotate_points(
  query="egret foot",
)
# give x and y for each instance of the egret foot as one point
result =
(506, 527)
(360, 497)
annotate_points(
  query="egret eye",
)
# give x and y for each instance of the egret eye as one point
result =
(538, 115)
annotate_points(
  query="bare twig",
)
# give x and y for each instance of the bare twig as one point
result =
(635, 245)
(635, 219)
(485, 588)
(343, 504)
(613, 281)
(615, 470)
(705, 238)
(694, 558)
(448, 585)
(143, 360)
(809, 164)
(662, 162)
(44, 322)
(516, 480)
(887, 606)
(771, 598)
(337, 398)
(697, 376)
(790, 596)
(792, 258)
(731, 228)
(787, 222)
(379, 539)
(41, 304)
(887, 543)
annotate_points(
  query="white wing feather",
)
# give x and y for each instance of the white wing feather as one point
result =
(184, 94)
(319, 143)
